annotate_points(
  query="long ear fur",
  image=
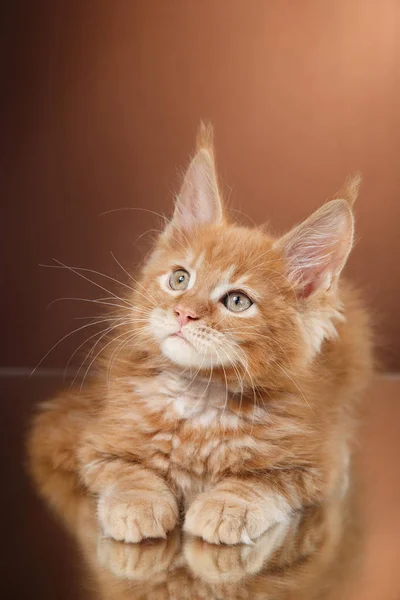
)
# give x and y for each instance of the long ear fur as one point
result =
(350, 189)
(198, 202)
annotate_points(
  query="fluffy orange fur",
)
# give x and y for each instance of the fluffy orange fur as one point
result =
(228, 394)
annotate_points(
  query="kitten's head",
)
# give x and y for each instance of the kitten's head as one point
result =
(215, 295)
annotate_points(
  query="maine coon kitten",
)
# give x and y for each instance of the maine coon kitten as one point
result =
(230, 394)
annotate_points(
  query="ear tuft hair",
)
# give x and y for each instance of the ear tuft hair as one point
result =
(350, 189)
(198, 202)
(205, 137)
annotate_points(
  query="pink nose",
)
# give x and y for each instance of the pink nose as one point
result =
(185, 315)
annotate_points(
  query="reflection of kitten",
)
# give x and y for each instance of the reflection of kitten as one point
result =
(230, 391)
(315, 553)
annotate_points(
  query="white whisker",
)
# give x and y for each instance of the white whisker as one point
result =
(106, 330)
(297, 387)
(91, 301)
(62, 339)
(154, 302)
(77, 270)
(99, 352)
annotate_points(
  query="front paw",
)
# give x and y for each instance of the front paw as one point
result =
(222, 563)
(134, 515)
(223, 517)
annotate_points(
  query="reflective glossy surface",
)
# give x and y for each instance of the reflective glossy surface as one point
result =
(316, 554)
(347, 549)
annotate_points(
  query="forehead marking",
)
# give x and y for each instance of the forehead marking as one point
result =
(189, 258)
(227, 285)
(199, 260)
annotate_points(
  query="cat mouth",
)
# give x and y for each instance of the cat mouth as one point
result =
(180, 335)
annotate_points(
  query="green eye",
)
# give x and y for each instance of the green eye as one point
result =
(179, 280)
(237, 301)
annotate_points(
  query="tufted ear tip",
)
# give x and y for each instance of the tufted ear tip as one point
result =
(205, 137)
(350, 189)
(198, 202)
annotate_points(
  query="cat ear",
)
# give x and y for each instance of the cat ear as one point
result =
(317, 249)
(198, 202)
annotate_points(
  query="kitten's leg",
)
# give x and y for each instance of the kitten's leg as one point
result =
(238, 511)
(133, 502)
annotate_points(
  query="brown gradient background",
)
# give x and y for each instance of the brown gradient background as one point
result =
(100, 101)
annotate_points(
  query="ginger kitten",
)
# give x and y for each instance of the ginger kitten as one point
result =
(230, 395)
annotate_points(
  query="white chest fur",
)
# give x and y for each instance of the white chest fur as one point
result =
(189, 398)
(199, 435)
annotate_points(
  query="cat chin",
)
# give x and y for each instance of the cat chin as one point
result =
(183, 354)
